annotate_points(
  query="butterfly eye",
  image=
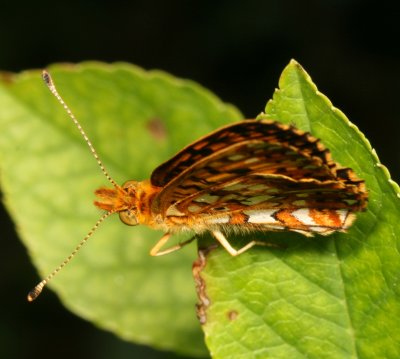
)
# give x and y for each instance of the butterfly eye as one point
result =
(128, 217)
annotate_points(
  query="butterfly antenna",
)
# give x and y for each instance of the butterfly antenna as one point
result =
(35, 292)
(50, 84)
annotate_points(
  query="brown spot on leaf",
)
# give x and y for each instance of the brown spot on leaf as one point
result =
(157, 129)
(232, 315)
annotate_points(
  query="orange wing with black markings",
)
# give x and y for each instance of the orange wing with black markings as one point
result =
(258, 169)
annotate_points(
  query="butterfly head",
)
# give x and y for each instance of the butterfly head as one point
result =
(120, 199)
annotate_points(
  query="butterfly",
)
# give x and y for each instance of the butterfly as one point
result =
(250, 176)
(254, 175)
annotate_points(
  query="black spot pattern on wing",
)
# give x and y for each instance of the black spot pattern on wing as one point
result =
(283, 159)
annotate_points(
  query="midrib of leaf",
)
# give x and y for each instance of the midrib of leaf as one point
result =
(345, 301)
(308, 125)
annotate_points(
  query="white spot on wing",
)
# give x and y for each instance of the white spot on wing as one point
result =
(261, 216)
(303, 215)
(342, 213)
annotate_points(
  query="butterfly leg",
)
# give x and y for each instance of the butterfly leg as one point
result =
(232, 251)
(156, 250)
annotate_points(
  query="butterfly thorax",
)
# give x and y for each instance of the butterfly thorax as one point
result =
(132, 201)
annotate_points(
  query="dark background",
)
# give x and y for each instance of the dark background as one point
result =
(237, 49)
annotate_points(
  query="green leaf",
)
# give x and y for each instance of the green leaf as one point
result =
(324, 297)
(136, 120)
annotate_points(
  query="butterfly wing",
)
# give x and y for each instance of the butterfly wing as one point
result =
(273, 202)
(277, 140)
(257, 174)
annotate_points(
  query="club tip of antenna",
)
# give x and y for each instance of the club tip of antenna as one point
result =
(35, 292)
(47, 78)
